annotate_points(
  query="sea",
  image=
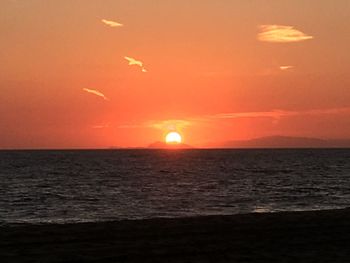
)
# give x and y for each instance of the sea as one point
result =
(68, 186)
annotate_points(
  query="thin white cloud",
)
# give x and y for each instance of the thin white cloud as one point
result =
(286, 67)
(277, 114)
(135, 62)
(274, 70)
(175, 124)
(257, 114)
(96, 92)
(274, 115)
(101, 126)
(169, 124)
(111, 23)
(281, 34)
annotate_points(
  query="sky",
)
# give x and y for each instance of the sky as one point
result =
(124, 73)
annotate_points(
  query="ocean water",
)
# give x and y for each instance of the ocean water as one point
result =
(100, 185)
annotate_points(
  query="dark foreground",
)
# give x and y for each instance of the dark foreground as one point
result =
(322, 236)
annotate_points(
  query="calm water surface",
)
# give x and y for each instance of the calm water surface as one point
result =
(99, 185)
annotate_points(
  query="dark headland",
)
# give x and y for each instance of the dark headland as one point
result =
(284, 142)
(318, 236)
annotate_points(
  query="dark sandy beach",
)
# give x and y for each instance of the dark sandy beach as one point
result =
(322, 236)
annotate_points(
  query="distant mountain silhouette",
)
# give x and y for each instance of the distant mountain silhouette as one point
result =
(163, 145)
(286, 142)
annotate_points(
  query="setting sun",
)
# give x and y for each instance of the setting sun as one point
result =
(173, 138)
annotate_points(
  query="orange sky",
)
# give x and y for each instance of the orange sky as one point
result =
(216, 71)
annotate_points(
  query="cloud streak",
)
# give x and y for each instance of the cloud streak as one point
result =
(111, 23)
(277, 114)
(96, 92)
(281, 34)
(134, 62)
(170, 125)
(286, 67)
(274, 115)
(101, 126)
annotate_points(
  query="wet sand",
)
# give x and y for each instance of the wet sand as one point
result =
(322, 236)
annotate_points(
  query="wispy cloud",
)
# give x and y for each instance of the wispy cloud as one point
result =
(281, 34)
(286, 67)
(132, 126)
(274, 115)
(111, 23)
(277, 114)
(135, 62)
(97, 93)
(256, 114)
(169, 124)
(101, 126)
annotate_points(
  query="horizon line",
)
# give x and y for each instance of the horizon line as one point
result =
(176, 149)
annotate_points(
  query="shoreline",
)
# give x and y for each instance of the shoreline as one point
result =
(308, 236)
(165, 218)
